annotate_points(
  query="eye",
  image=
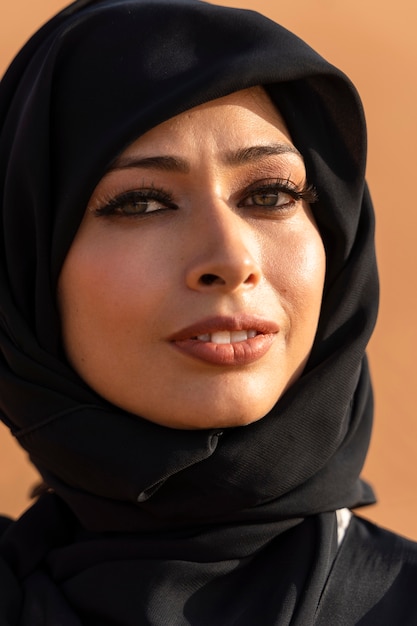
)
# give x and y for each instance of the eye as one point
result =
(135, 203)
(139, 204)
(268, 198)
(276, 194)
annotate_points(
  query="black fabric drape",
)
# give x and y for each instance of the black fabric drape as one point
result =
(150, 525)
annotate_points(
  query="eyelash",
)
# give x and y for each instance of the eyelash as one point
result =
(279, 186)
(117, 206)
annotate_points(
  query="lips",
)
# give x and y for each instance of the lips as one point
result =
(237, 340)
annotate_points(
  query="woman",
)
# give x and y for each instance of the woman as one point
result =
(188, 285)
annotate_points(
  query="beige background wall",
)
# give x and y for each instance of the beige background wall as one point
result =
(374, 42)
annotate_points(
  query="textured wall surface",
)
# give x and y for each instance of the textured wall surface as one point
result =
(375, 44)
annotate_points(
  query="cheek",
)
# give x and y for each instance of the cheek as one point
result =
(308, 263)
(105, 290)
(296, 266)
(296, 271)
(304, 297)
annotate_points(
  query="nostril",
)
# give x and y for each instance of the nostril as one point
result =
(250, 279)
(209, 279)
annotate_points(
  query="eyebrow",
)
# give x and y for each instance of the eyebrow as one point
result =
(178, 164)
(167, 163)
(256, 153)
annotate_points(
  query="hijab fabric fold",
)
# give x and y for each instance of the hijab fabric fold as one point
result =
(148, 522)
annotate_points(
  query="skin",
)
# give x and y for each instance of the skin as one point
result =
(132, 282)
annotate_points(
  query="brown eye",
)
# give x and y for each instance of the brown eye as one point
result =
(136, 203)
(144, 205)
(270, 199)
(279, 194)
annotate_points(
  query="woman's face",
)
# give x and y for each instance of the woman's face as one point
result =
(191, 293)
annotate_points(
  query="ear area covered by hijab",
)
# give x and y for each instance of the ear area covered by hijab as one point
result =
(96, 77)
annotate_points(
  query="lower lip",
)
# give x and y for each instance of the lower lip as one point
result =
(239, 353)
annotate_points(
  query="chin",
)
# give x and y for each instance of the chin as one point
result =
(213, 420)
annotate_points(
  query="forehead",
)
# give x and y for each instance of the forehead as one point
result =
(248, 112)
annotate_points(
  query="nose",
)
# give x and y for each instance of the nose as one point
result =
(225, 254)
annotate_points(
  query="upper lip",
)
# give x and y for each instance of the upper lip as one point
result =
(230, 323)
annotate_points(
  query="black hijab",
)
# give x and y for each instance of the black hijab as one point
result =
(151, 525)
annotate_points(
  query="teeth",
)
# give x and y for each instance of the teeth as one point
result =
(224, 336)
(238, 335)
(221, 336)
(204, 337)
